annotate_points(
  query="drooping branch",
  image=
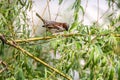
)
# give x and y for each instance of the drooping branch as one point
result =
(13, 44)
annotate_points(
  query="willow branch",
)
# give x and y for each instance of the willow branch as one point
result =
(55, 36)
(48, 37)
(2, 70)
(3, 64)
(32, 56)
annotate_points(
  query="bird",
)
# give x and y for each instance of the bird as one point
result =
(53, 26)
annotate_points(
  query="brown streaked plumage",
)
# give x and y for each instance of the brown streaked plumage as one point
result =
(54, 26)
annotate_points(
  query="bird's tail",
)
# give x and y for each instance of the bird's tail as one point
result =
(40, 18)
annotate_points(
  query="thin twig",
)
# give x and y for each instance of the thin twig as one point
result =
(48, 37)
(2, 70)
(3, 64)
(44, 9)
(57, 13)
(84, 11)
(33, 26)
(103, 14)
(49, 9)
(97, 12)
(42, 14)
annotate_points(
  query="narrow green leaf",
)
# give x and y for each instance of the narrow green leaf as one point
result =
(69, 66)
(90, 59)
(22, 3)
(111, 74)
(89, 39)
(109, 2)
(87, 64)
(91, 75)
(92, 54)
(3, 18)
(45, 72)
(78, 45)
(20, 75)
(82, 9)
(60, 1)
(119, 72)
(74, 25)
(2, 49)
(76, 16)
(104, 61)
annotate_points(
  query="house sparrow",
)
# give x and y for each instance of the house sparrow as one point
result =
(54, 26)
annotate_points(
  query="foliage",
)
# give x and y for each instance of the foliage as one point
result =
(94, 55)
